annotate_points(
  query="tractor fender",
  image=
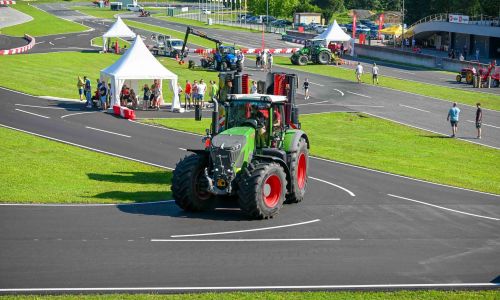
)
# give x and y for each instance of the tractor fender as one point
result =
(282, 163)
(292, 138)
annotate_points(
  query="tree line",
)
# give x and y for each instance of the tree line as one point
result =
(414, 9)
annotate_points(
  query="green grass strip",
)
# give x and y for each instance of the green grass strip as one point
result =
(487, 100)
(42, 24)
(36, 170)
(383, 145)
(203, 24)
(399, 295)
(102, 13)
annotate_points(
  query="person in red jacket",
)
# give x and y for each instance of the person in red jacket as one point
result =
(187, 95)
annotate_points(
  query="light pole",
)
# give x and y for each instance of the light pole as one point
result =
(267, 13)
(403, 24)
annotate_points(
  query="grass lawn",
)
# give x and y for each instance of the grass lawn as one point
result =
(487, 101)
(203, 24)
(60, 72)
(42, 24)
(386, 146)
(102, 13)
(121, 42)
(400, 295)
(36, 170)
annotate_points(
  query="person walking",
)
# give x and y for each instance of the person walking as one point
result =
(453, 116)
(80, 84)
(359, 72)
(187, 95)
(479, 119)
(88, 92)
(202, 88)
(306, 88)
(374, 73)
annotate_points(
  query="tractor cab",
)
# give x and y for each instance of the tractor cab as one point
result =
(315, 43)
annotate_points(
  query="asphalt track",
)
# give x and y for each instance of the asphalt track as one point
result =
(356, 229)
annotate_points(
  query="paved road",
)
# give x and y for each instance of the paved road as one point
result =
(10, 17)
(355, 227)
(10, 42)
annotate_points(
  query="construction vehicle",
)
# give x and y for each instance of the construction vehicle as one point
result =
(224, 57)
(314, 51)
(164, 45)
(255, 152)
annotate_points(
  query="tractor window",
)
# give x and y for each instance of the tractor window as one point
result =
(176, 43)
(240, 112)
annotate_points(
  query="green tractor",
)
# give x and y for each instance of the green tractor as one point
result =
(258, 157)
(313, 51)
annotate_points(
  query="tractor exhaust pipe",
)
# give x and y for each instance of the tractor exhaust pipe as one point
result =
(215, 118)
(292, 81)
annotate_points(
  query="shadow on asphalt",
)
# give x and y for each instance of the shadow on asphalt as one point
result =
(159, 177)
(436, 136)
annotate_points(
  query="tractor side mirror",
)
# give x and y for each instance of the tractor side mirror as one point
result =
(198, 113)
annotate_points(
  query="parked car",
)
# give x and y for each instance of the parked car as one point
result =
(343, 28)
(362, 29)
(281, 23)
(320, 28)
(206, 12)
(133, 7)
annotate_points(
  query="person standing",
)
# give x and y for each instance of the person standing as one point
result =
(88, 92)
(187, 95)
(146, 97)
(453, 116)
(214, 90)
(80, 84)
(103, 93)
(269, 61)
(374, 73)
(359, 72)
(477, 54)
(263, 60)
(257, 60)
(202, 88)
(195, 93)
(253, 89)
(479, 119)
(306, 88)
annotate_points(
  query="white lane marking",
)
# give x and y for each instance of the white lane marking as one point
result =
(27, 112)
(361, 95)
(83, 34)
(59, 38)
(79, 113)
(402, 176)
(86, 205)
(441, 207)
(183, 149)
(362, 105)
(102, 130)
(488, 125)
(318, 84)
(89, 148)
(411, 107)
(39, 42)
(44, 107)
(335, 185)
(247, 240)
(258, 287)
(406, 124)
(311, 103)
(51, 43)
(165, 128)
(342, 93)
(245, 230)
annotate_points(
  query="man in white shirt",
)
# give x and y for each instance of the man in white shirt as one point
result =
(359, 72)
(202, 87)
(374, 73)
(253, 89)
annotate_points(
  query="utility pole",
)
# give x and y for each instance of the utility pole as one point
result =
(267, 14)
(403, 24)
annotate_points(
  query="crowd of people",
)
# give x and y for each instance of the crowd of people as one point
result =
(264, 61)
(195, 94)
(101, 96)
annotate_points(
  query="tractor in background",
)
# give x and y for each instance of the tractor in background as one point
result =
(255, 152)
(314, 51)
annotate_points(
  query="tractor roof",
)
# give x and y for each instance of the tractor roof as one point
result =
(258, 97)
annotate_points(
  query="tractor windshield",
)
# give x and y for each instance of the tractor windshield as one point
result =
(177, 43)
(240, 112)
(226, 50)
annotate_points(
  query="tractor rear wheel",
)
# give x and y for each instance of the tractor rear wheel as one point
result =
(299, 166)
(324, 57)
(262, 190)
(188, 185)
(469, 77)
(302, 61)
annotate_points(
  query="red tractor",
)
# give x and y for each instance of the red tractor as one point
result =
(470, 72)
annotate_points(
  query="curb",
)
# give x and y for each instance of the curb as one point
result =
(22, 49)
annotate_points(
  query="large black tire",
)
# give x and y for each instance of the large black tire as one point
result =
(299, 171)
(469, 77)
(262, 190)
(458, 78)
(204, 64)
(239, 66)
(302, 61)
(187, 184)
(324, 57)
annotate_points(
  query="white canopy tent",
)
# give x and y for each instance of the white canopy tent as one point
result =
(138, 64)
(334, 34)
(118, 30)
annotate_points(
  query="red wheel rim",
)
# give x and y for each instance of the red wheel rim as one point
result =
(271, 190)
(301, 171)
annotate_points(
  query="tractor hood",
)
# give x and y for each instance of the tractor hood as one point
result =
(235, 144)
(231, 58)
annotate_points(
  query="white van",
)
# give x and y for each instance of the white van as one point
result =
(133, 7)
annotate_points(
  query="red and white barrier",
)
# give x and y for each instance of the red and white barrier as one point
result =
(20, 49)
(124, 112)
(7, 2)
(249, 50)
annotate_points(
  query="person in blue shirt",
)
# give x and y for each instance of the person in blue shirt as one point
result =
(453, 115)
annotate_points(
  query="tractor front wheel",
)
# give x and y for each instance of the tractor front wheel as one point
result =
(189, 186)
(459, 78)
(262, 190)
(302, 61)
(324, 57)
(299, 166)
